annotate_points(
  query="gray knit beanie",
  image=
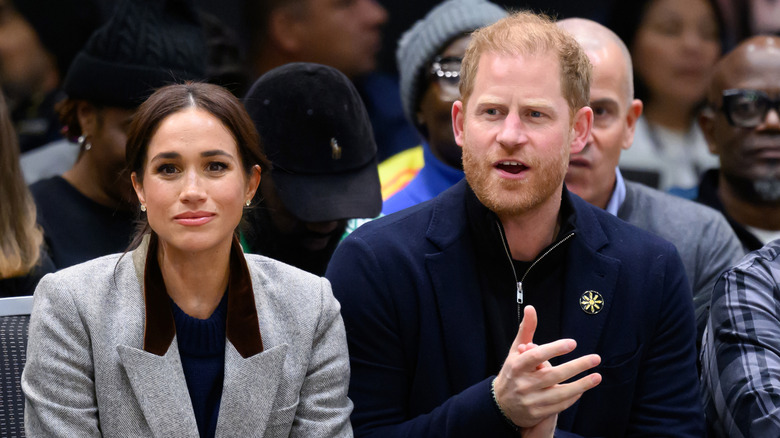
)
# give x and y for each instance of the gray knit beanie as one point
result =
(427, 37)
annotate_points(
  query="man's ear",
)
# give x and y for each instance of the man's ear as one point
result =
(707, 125)
(580, 129)
(458, 118)
(632, 115)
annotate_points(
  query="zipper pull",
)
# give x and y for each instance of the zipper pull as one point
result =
(519, 292)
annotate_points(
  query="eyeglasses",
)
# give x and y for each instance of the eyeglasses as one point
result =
(446, 70)
(747, 108)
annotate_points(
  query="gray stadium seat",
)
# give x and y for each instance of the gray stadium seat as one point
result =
(14, 319)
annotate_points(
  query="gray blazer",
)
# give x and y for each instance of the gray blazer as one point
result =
(705, 241)
(88, 375)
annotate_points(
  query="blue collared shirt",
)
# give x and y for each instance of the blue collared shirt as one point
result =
(618, 194)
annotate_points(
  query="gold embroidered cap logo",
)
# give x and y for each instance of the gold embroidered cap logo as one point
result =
(335, 149)
(591, 302)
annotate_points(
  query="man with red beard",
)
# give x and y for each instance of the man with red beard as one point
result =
(463, 313)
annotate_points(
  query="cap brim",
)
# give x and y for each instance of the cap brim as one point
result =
(328, 197)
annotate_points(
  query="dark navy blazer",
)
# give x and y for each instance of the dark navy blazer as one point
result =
(417, 336)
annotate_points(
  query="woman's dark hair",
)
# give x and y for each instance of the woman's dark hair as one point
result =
(216, 100)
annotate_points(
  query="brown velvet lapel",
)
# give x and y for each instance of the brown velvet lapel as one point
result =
(243, 327)
(159, 329)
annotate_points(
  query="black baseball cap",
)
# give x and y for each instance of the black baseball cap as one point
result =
(315, 130)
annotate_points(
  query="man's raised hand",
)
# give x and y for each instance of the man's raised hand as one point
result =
(528, 389)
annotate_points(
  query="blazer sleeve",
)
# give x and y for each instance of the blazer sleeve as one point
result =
(667, 399)
(382, 342)
(58, 378)
(324, 408)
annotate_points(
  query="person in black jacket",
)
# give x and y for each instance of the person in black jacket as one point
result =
(463, 313)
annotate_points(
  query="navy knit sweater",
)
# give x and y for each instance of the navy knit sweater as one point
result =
(202, 350)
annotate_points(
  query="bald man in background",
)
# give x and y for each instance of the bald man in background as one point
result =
(741, 123)
(705, 241)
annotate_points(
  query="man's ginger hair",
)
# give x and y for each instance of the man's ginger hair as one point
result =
(525, 33)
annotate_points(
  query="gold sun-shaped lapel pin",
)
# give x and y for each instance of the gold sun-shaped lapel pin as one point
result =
(591, 302)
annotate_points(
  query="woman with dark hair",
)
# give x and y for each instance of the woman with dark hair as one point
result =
(674, 45)
(88, 211)
(22, 263)
(187, 335)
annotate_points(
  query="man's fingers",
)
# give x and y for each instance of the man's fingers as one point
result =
(543, 410)
(560, 397)
(528, 325)
(567, 370)
(534, 357)
(563, 392)
(525, 333)
(527, 407)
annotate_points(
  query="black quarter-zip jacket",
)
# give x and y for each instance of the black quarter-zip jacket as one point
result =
(508, 285)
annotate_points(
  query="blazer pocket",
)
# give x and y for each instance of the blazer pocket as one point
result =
(621, 369)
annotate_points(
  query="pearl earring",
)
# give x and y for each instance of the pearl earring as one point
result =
(143, 207)
(248, 201)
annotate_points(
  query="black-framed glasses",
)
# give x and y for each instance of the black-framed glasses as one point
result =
(747, 108)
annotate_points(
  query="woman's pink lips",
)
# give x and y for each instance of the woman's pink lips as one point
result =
(195, 218)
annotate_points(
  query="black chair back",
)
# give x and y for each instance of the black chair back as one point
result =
(14, 320)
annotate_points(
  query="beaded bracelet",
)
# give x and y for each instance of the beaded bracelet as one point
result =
(506, 418)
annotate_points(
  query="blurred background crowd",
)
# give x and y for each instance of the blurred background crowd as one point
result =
(65, 67)
(363, 129)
